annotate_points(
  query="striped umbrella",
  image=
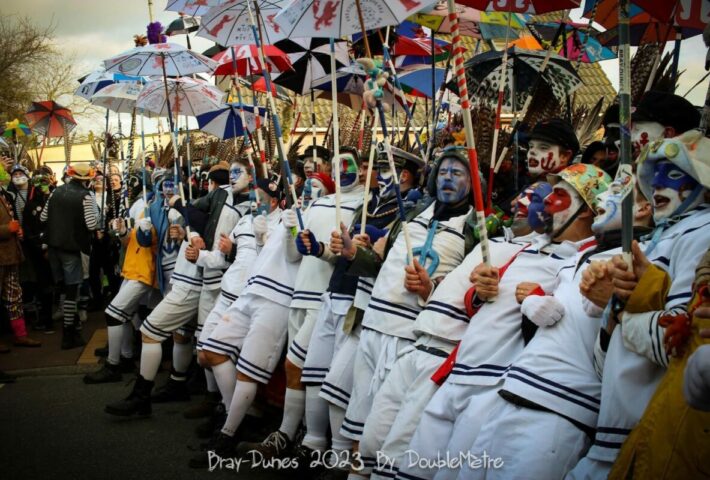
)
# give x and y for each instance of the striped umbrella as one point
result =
(225, 122)
(50, 119)
(310, 59)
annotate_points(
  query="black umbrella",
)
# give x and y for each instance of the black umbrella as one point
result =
(310, 58)
(183, 25)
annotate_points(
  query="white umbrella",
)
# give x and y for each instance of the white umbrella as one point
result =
(229, 23)
(185, 97)
(118, 97)
(160, 59)
(193, 8)
(314, 18)
(98, 79)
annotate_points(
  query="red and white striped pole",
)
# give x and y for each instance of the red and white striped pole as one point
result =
(468, 130)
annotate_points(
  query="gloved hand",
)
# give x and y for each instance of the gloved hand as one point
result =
(543, 311)
(696, 384)
(307, 244)
(145, 225)
(260, 227)
(289, 218)
(412, 197)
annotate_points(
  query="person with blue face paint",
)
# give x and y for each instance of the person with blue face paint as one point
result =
(442, 234)
(529, 210)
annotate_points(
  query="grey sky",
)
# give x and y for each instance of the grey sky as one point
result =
(98, 29)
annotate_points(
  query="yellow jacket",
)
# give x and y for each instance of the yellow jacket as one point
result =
(672, 440)
(139, 262)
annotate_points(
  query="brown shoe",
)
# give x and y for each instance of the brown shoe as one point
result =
(26, 342)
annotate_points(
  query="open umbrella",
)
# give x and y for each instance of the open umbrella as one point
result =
(194, 8)
(258, 84)
(576, 42)
(50, 119)
(98, 79)
(534, 7)
(246, 59)
(229, 23)
(310, 58)
(419, 83)
(472, 23)
(225, 122)
(185, 96)
(183, 26)
(118, 97)
(13, 130)
(161, 58)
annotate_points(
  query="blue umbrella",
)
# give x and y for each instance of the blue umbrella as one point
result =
(98, 79)
(226, 122)
(419, 81)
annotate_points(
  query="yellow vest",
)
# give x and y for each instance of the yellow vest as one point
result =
(139, 262)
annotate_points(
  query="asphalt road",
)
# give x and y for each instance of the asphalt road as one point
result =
(54, 427)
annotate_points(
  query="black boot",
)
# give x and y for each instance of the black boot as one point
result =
(172, 391)
(107, 374)
(214, 423)
(138, 402)
(78, 339)
(70, 339)
(221, 445)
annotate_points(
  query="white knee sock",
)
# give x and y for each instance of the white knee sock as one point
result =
(294, 404)
(182, 356)
(316, 419)
(244, 394)
(337, 416)
(127, 340)
(211, 382)
(226, 376)
(115, 337)
(151, 354)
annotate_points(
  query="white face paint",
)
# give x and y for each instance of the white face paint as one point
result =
(543, 158)
(238, 177)
(643, 133)
(608, 212)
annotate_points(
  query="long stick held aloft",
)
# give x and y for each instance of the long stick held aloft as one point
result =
(370, 166)
(336, 134)
(627, 229)
(468, 127)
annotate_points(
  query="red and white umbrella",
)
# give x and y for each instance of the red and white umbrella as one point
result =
(118, 97)
(193, 8)
(246, 60)
(185, 96)
(229, 23)
(160, 59)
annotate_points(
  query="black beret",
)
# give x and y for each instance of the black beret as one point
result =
(557, 132)
(667, 109)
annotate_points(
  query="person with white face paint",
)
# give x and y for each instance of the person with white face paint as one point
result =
(660, 115)
(552, 146)
(630, 354)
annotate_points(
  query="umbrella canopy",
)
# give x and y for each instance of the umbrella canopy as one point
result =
(230, 24)
(98, 79)
(579, 45)
(483, 73)
(194, 8)
(472, 22)
(258, 84)
(118, 97)
(226, 122)
(528, 42)
(418, 82)
(50, 119)
(350, 79)
(182, 26)
(150, 60)
(534, 7)
(247, 60)
(313, 18)
(688, 14)
(310, 58)
(15, 129)
(186, 97)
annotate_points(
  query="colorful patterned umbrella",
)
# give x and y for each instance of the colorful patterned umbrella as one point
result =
(119, 97)
(579, 45)
(50, 119)
(419, 82)
(472, 22)
(98, 79)
(247, 60)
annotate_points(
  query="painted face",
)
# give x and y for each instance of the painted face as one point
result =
(312, 190)
(671, 186)
(169, 188)
(520, 209)
(348, 170)
(608, 216)
(238, 177)
(309, 166)
(538, 219)
(19, 179)
(562, 204)
(385, 181)
(543, 158)
(643, 133)
(453, 182)
(42, 182)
